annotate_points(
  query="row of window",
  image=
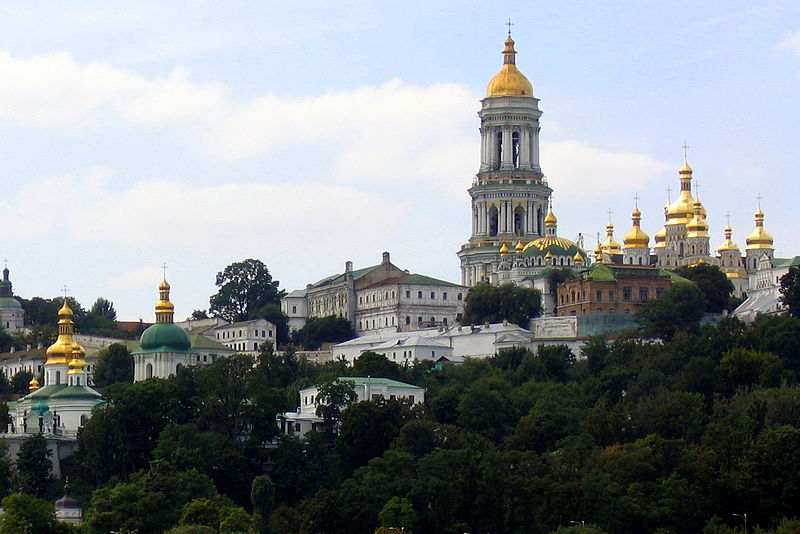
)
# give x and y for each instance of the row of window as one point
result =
(371, 323)
(390, 295)
(228, 334)
(627, 295)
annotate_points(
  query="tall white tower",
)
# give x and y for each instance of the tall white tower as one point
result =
(509, 194)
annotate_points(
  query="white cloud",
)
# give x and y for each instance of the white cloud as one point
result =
(792, 42)
(577, 171)
(142, 278)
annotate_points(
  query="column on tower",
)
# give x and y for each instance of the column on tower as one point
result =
(525, 145)
(507, 157)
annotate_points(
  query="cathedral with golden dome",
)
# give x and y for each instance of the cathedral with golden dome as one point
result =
(514, 229)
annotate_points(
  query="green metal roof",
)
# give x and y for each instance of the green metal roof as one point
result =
(786, 262)
(361, 380)
(61, 391)
(422, 280)
(164, 337)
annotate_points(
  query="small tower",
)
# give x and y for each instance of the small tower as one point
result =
(11, 315)
(679, 213)
(730, 259)
(697, 238)
(610, 246)
(63, 351)
(759, 243)
(636, 248)
(76, 375)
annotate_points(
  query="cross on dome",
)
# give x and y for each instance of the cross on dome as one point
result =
(685, 147)
(509, 24)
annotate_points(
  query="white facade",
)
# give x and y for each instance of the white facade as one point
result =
(407, 350)
(305, 418)
(294, 306)
(763, 295)
(246, 337)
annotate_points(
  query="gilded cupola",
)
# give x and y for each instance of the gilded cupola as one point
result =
(636, 238)
(760, 238)
(61, 352)
(165, 310)
(503, 249)
(681, 210)
(697, 226)
(509, 81)
(76, 364)
(610, 245)
(728, 244)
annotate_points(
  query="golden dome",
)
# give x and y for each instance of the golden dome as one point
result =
(65, 345)
(520, 247)
(577, 259)
(728, 244)
(548, 257)
(636, 238)
(681, 210)
(610, 245)
(165, 310)
(545, 242)
(660, 238)
(503, 249)
(697, 227)
(33, 385)
(509, 81)
(760, 238)
(550, 219)
(76, 364)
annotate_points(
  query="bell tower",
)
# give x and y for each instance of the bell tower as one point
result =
(509, 194)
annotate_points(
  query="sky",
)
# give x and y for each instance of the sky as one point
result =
(196, 134)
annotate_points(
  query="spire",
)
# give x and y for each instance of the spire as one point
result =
(165, 310)
(5, 285)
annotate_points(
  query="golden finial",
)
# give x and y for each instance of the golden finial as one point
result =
(520, 247)
(33, 385)
(503, 249)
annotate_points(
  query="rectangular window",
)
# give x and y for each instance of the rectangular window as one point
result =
(659, 291)
(599, 296)
(612, 295)
(444, 296)
(419, 294)
(376, 396)
(627, 294)
(294, 309)
(460, 297)
(433, 295)
(644, 294)
(408, 294)
(411, 399)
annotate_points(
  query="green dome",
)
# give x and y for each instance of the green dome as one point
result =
(9, 303)
(164, 337)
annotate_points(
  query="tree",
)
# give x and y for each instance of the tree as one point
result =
(25, 514)
(398, 513)
(487, 303)
(201, 512)
(332, 397)
(20, 382)
(244, 287)
(262, 497)
(368, 429)
(714, 284)
(198, 314)
(790, 290)
(319, 330)
(114, 364)
(33, 467)
(6, 469)
(377, 365)
(679, 308)
(272, 313)
(103, 307)
(6, 340)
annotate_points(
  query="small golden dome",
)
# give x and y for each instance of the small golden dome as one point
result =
(165, 310)
(760, 238)
(660, 238)
(577, 259)
(697, 227)
(503, 249)
(163, 285)
(520, 247)
(33, 385)
(509, 81)
(550, 219)
(65, 344)
(548, 257)
(610, 245)
(685, 168)
(728, 244)
(636, 238)
(681, 210)
(65, 310)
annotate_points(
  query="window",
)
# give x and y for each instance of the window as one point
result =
(659, 291)
(612, 295)
(419, 294)
(408, 294)
(433, 295)
(627, 294)
(376, 396)
(644, 294)
(411, 399)
(419, 319)
(294, 309)
(270, 333)
(255, 346)
(408, 319)
(444, 295)
(599, 296)
(460, 297)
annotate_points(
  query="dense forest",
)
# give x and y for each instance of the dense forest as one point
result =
(683, 435)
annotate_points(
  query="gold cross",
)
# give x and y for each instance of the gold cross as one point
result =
(685, 147)
(164, 269)
(509, 24)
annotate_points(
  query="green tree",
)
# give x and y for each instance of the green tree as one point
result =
(272, 313)
(244, 287)
(6, 340)
(790, 290)
(201, 512)
(679, 308)
(25, 514)
(198, 314)
(398, 513)
(375, 365)
(34, 467)
(262, 497)
(6, 469)
(368, 429)
(192, 529)
(332, 397)
(223, 391)
(487, 303)
(114, 364)
(20, 382)
(714, 284)
(103, 307)
(319, 330)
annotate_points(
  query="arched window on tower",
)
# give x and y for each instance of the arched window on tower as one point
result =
(519, 220)
(498, 150)
(493, 220)
(515, 149)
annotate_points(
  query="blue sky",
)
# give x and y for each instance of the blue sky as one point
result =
(202, 133)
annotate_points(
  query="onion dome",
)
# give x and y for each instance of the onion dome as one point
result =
(164, 336)
(660, 238)
(610, 245)
(759, 239)
(697, 226)
(33, 385)
(577, 259)
(40, 408)
(503, 249)
(509, 81)
(548, 257)
(636, 238)
(520, 247)
(598, 253)
(62, 350)
(550, 219)
(682, 210)
(77, 364)
(728, 244)
(7, 300)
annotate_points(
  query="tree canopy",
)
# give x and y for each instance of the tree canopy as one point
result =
(790, 290)
(244, 287)
(488, 303)
(114, 364)
(319, 330)
(679, 308)
(714, 284)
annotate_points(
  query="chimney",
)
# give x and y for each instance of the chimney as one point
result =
(385, 257)
(348, 266)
